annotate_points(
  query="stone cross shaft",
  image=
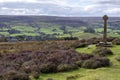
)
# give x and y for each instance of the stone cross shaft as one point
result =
(105, 18)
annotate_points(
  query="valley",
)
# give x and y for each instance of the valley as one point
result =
(52, 27)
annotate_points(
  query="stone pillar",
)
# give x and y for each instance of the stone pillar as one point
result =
(105, 18)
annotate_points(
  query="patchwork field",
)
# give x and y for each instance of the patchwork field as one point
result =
(52, 27)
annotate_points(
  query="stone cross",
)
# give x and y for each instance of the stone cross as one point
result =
(105, 18)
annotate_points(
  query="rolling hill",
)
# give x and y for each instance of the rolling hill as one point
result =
(53, 27)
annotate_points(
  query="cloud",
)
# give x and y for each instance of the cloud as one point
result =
(60, 7)
(110, 2)
(111, 10)
(10, 1)
(20, 11)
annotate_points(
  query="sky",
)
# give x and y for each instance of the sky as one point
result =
(60, 7)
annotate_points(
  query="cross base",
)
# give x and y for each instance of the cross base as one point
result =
(103, 44)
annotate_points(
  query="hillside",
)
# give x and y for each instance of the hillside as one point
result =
(58, 60)
(53, 27)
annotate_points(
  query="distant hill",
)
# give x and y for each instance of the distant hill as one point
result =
(70, 21)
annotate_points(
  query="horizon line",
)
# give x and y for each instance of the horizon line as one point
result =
(55, 15)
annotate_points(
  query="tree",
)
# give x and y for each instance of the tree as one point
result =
(21, 38)
(64, 29)
(89, 30)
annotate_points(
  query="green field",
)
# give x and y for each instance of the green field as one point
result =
(105, 73)
(51, 30)
(102, 29)
(56, 31)
(4, 33)
(24, 28)
(111, 33)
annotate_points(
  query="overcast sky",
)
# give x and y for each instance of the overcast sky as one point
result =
(60, 7)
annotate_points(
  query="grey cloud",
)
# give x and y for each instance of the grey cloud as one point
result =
(52, 8)
(110, 2)
(24, 5)
(45, 7)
